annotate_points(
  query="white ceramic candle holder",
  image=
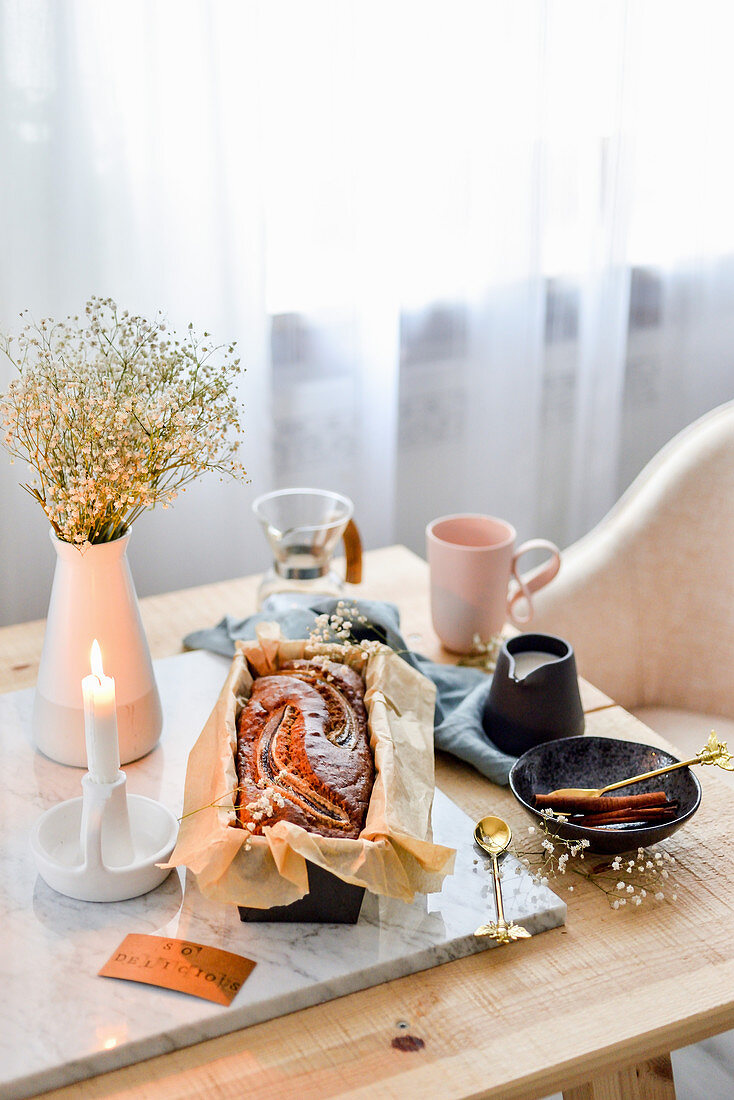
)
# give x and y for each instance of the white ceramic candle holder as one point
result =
(106, 845)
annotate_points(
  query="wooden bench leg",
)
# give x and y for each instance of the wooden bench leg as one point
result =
(651, 1080)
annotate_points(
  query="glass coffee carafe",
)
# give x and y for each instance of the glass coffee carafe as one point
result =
(304, 528)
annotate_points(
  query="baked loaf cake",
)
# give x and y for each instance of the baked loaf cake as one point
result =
(303, 752)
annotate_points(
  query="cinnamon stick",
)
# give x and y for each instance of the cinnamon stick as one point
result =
(643, 811)
(598, 803)
(619, 817)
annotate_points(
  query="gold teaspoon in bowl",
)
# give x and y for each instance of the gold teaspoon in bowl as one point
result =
(494, 835)
(714, 752)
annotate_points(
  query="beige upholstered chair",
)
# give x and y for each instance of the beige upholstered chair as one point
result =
(647, 597)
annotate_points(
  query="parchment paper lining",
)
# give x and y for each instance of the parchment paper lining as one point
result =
(394, 855)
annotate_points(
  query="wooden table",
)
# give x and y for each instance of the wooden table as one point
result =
(592, 1009)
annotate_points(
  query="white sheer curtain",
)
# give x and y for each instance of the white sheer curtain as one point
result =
(477, 255)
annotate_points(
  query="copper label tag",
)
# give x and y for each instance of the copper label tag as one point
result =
(177, 964)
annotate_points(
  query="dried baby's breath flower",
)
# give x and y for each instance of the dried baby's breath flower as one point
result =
(483, 654)
(339, 626)
(113, 415)
(259, 808)
(632, 878)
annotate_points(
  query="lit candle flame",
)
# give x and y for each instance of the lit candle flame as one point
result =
(95, 660)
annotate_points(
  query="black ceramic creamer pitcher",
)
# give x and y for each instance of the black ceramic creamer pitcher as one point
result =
(534, 695)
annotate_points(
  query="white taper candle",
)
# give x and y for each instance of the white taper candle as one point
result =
(100, 721)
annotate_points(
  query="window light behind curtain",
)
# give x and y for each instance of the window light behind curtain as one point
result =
(478, 256)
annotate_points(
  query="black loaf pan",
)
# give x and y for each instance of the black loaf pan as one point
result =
(329, 901)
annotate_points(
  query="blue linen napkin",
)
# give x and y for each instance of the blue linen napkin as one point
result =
(460, 691)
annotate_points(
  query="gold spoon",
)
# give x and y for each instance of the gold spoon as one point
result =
(714, 752)
(493, 835)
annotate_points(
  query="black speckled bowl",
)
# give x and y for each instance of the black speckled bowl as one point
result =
(594, 762)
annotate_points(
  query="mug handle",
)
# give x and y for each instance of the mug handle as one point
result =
(353, 554)
(532, 584)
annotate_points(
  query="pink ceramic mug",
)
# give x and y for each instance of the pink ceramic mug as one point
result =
(472, 559)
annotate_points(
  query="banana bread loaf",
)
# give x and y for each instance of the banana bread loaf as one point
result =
(303, 752)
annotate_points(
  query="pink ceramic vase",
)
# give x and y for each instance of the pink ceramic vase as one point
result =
(93, 596)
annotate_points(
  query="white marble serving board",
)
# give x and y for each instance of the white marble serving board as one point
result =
(60, 1022)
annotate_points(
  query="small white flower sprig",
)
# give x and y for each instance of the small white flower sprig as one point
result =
(260, 807)
(337, 627)
(625, 880)
(113, 416)
(483, 654)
